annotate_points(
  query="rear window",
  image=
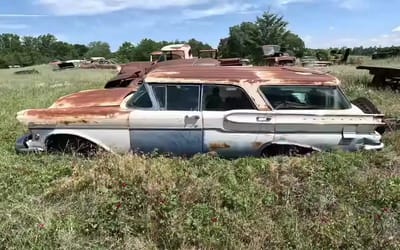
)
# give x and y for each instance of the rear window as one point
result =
(305, 97)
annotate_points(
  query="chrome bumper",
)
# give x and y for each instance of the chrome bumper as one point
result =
(25, 144)
(374, 147)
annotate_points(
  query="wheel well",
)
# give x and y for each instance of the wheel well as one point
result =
(68, 143)
(286, 149)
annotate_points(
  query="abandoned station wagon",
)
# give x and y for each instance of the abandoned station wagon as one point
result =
(184, 110)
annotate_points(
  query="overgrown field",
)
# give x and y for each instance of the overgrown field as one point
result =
(329, 200)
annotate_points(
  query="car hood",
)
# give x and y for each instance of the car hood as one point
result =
(93, 98)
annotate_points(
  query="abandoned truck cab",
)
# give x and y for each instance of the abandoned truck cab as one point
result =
(184, 110)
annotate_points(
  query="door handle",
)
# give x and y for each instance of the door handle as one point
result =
(263, 118)
(191, 121)
(195, 117)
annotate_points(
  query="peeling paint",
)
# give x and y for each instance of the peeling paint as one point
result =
(257, 145)
(216, 146)
(77, 116)
(91, 98)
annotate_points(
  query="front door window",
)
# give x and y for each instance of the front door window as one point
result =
(177, 97)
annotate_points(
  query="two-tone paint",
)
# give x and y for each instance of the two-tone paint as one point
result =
(103, 117)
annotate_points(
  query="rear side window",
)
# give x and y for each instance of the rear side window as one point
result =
(305, 97)
(222, 98)
(177, 97)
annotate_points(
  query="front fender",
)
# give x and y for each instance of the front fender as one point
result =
(111, 140)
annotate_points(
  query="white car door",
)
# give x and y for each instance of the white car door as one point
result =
(316, 116)
(173, 124)
(231, 123)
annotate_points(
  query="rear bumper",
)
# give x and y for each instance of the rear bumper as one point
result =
(25, 144)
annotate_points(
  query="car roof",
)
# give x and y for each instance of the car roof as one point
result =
(240, 75)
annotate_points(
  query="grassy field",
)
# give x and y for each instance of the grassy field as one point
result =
(329, 200)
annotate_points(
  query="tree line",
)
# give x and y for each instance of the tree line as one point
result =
(28, 50)
(244, 41)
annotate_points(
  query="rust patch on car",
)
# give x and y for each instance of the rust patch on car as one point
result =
(91, 98)
(216, 146)
(112, 116)
(239, 74)
(77, 122)
(257, 144)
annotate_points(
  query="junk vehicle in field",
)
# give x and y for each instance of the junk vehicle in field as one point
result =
(273, 56)
(383, 76)
(185, 109)
(132, 74)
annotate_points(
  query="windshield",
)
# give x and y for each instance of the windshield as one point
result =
(305, 97)
(140, 99)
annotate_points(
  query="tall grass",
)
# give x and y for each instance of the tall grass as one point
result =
(329, 200)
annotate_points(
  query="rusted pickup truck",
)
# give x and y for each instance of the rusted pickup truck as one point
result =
(186, 109)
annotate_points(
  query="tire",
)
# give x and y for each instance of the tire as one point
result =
(366, 105)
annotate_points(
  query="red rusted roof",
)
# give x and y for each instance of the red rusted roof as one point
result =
(90, 98)
(239, 74)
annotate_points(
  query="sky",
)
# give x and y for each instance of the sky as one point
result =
(320, 23)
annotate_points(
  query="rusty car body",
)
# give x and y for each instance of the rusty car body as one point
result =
(172, 52)
(185, 109)
(383, 76)
(133, 73)
(273, 56)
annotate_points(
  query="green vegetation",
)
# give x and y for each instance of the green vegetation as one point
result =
(329, 200)
(245, 40)
(27, 50)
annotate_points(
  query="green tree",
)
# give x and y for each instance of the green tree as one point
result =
(246, 40)
(126, 52)
(98, 49)
(294, 45)
(80, 50)
(197, 45)
(63, 51)
(144, 48)
(45, 46)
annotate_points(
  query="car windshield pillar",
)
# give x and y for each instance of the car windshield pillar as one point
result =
(142, 99)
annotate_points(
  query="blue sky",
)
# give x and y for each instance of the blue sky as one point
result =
(321, 23)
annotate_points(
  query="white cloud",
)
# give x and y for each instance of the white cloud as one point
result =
(285, 2)
(397, 29)
(353, 4)
(13, 26)
(222, 9)
(20, 15)
(386, 40)
(345, 4)
(93, 7)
